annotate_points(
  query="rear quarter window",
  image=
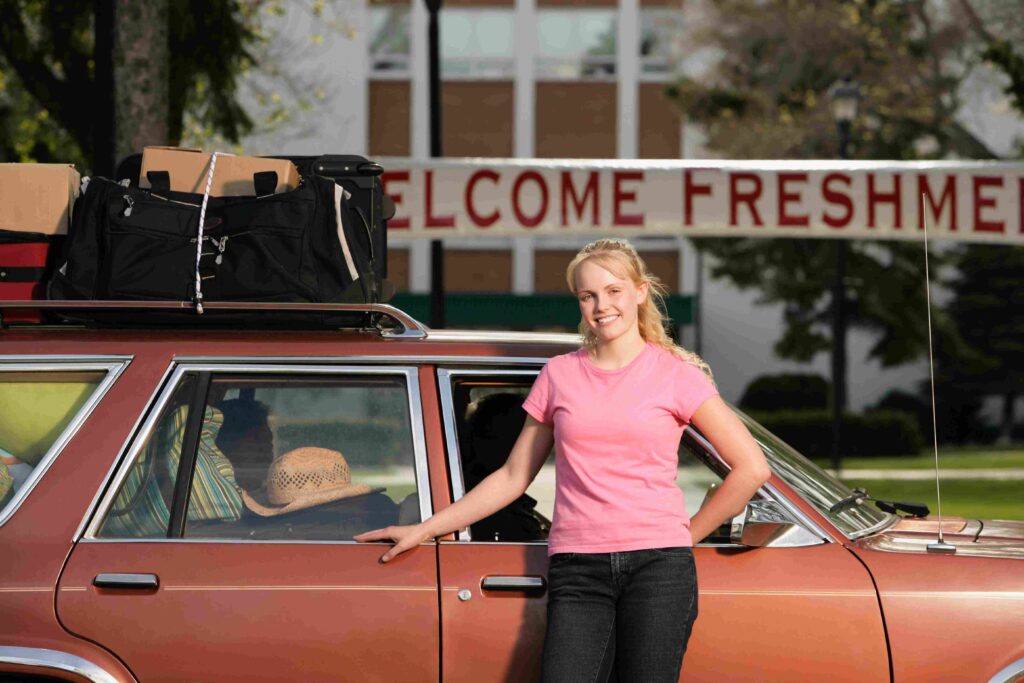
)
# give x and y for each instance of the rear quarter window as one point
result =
(40, 408)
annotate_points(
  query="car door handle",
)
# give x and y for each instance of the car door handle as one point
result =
(136, 581)
(518, 584)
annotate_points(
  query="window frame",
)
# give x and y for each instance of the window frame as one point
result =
(451, 438)
(209, 370)
(113, 366)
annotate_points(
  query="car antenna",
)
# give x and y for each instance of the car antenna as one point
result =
(939, 546)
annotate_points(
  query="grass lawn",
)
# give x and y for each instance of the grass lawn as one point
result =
(960, 497)
(962, 458)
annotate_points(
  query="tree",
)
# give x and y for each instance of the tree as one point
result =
(768, 98)
(56, 69)
(988, 306)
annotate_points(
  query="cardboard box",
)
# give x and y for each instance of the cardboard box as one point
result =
(232, 177)
(37, 197)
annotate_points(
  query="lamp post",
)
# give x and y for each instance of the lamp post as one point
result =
(437, 309)
(845, 98)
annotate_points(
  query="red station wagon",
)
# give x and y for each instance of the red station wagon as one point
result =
(178, 504)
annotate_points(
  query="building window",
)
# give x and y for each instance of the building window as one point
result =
(660, 43)
(389, 41)
(477, 44)
(576, 44)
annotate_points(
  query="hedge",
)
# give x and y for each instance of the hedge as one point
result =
(790, 391)
(878, 433)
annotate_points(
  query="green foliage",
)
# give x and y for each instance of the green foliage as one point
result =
(884, 289)
(789, 391)
(1001, 54)
(867, 435)
(768, 97)
(957, 413)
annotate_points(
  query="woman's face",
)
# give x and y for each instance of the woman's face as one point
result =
(608, 303)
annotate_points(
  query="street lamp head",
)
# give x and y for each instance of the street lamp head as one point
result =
(845, 96)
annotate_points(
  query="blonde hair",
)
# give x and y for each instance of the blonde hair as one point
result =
(621, 258)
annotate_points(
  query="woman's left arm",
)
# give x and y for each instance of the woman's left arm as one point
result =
(730, 437)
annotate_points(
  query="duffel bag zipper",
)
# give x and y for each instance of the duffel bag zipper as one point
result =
(221, 245)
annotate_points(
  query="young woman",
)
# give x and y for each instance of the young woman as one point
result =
(622, 586)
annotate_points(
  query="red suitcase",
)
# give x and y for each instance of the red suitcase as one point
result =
(24, 259)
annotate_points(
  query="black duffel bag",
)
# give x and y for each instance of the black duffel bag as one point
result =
(306, 245)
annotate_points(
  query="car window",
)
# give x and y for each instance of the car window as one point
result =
(37, 409)
(304, 457)
(486, 411)
(487, 414)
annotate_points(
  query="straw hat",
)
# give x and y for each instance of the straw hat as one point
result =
(303, 478)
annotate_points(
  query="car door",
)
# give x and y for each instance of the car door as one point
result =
(222, 549)
(804, 612)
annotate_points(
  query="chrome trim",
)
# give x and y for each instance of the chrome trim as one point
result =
(267, 541)
(768, 491)
(127, 460)
(517, 584)
(567, 338)
(1013, 673)
(417, 359)
(419, 444)
(411, 328)
(56, 660)
(60, 362)
(91, 508)
(113, 366)
(128, 581)
(451, 440)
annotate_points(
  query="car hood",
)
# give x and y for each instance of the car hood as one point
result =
(977, 537)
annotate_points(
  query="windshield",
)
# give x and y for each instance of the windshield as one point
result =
(815, 485)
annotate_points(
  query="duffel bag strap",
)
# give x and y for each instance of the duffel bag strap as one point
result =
(265, 182)
(159, 181)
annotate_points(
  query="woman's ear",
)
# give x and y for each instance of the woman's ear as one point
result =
(641, 290)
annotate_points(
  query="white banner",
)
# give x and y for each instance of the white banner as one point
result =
(965, 201)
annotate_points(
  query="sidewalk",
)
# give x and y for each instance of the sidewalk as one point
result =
(944, 473)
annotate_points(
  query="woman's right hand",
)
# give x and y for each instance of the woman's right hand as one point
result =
(404, 538)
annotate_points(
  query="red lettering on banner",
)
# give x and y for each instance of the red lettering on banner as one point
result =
(621, 195)
(430, 220)
(894, 197)
(524, 220)
(690, 189)
(736, 197)
(478, 220)
(785, 197)
(948, 194)
(839, 198)
(980, 202)
(399, 177)
(590, 193)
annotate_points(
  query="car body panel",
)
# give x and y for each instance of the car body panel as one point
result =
(938, 607)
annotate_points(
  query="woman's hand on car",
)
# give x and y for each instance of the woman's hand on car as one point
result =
(404, 538)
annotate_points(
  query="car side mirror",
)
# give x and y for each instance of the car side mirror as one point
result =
(765, 524)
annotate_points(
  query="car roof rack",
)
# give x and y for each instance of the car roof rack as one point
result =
(405, 326)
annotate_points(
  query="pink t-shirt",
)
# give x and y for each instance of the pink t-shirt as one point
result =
(616, 442)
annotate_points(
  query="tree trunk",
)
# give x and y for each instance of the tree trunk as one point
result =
(1006, 429)
(103, 153)
(141, 69)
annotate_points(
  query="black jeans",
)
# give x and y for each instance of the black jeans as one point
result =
(622, 617)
